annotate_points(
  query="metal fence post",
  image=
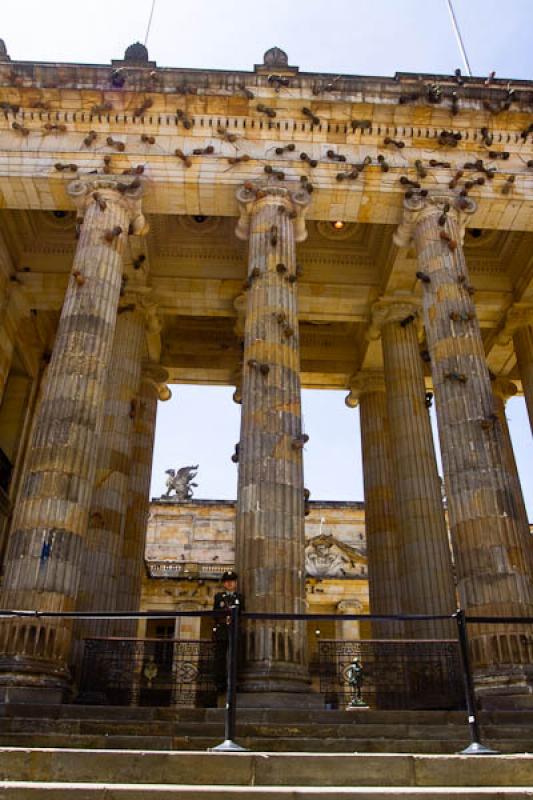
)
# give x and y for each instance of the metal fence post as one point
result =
(229, 744)
(476, 747)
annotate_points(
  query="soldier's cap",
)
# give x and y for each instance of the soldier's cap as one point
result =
(230, 575)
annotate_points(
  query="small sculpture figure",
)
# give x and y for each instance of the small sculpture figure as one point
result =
(181, 483)
(355, 675)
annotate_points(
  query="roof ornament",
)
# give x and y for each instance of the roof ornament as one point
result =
(276, 57)
(4, 56)
(136, 53)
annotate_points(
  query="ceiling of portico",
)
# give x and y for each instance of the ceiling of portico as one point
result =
(196, 270)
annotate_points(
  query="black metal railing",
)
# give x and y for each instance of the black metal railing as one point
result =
(414, 673)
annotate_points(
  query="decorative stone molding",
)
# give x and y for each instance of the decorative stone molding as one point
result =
(520, 315)
(364, 383)
(250, 199)
(419, 207)
(393, 310)
(89, 189)
(156, 376)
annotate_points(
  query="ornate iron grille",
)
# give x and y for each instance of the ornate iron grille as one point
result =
(397, 674)
(150, 672)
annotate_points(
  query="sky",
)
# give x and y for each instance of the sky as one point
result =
(200, 425)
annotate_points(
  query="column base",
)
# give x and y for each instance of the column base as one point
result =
(278, 677)
(505, 687)
(31, 680)
(279, 700)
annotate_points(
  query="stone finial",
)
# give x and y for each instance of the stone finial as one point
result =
(295, 202)
(418, 207)
(4, 55)
(136, 53)
(92, 188)
(276, 57)
(393, 310)
(364, 383)
(520, 315)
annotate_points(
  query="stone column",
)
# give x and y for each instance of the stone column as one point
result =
(152, 389)
(502, 390)
(491, 544)
(382, 536)
(43, 560)
(270, 497)
(425, 565)
(12, 310)
(101, 559)
(519, 328)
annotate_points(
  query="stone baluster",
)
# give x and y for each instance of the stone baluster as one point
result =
(519, 328)
(491, 543)
(425, 565)
(382, 536)
(270, 497)
(45, 549)
(152, 388)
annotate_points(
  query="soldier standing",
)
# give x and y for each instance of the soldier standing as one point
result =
(224, 601)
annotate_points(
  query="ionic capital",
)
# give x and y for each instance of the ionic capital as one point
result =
(504, 388)
(104, 189)
(156, 377)
(394, 310)
(520, 315)
(417, 208)
(253, 197)
(364, 383)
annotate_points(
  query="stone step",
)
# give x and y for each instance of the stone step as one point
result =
(172, 714)
(263, 770)
(123, 791)
(308, 730)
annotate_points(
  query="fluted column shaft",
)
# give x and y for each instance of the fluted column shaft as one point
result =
(270, 500)
(101, 559)
(523, 347)
(11, 312)
(43, 560)
(425, 566)
(502, 390)
(381, 524)
(491, 543)
(133, 542)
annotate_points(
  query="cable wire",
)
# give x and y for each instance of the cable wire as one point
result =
(459, 37)
(149, 22)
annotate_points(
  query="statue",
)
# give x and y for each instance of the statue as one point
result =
(181, 483)
(355, 675)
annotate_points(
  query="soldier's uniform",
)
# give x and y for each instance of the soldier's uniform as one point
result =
(224, 601)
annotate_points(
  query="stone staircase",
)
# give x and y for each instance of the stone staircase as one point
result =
(259, 730)
(57, 774)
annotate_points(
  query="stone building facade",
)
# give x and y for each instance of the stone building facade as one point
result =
(189, 546)
(266, 229)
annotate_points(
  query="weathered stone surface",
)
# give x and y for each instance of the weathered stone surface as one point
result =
(43, 561)
(270, 495)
